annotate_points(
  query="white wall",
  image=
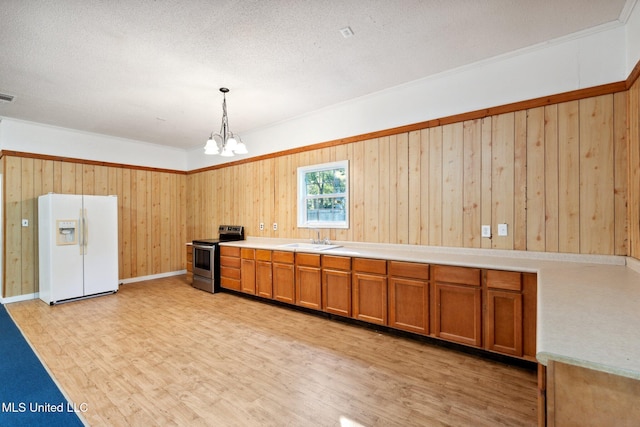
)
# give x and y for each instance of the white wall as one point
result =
(18, 135)
(582, 60)
(633, 36)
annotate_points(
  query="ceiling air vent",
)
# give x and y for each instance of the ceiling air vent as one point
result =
(4, 98)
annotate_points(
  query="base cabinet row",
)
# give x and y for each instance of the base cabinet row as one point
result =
(490, 309)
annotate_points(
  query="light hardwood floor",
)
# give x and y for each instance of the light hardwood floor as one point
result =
(163, 353)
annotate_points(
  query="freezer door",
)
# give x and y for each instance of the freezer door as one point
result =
(60, 272)
(100, 240)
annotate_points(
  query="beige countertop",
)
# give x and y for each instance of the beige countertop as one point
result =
(588, 305)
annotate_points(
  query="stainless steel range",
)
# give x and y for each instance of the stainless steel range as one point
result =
(206, 257)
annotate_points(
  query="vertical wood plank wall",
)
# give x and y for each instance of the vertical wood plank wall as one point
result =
(564, 177)
(557, 175)
(634, 170)
(151, 215)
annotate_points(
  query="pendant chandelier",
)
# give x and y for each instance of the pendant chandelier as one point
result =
(225, 142)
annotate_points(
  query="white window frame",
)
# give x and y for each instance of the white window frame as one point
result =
(303, 197)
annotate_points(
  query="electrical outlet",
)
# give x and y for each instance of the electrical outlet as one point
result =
(25, 222)
(275, 226)
(486, 231)
(502, 230)
(262, 226)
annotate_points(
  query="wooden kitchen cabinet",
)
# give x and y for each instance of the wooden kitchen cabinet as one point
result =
(264, 282)
(248, 271)
(308, 281)
(369, 288)
(503, 316)
(230, 267)
(510, 313)
(457, 308)
(491, 309)
(529, 315)
(409, 296)
(336, 285)
(580, 396)
(283, 276)
(189, 264)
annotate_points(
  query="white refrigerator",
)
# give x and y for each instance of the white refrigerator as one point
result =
(78, 246)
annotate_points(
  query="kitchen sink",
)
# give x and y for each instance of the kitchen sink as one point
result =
(310, 246)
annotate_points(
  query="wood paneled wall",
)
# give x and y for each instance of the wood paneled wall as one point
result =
(634, 170)
(557, 175)
(564, 177)
(151, 215)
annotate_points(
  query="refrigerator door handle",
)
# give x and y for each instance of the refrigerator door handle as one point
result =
(82, 231)
(85, 231)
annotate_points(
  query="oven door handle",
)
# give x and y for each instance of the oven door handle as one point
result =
(206, 248)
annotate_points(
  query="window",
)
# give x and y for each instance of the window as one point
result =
(323, 195)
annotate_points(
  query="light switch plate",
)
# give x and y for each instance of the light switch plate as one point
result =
(25, 222)
(502, 230)
(486, 231)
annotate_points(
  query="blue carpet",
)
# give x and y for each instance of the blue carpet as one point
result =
(28, 395)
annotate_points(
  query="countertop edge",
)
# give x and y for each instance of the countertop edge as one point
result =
(528, 260)
(544, 358)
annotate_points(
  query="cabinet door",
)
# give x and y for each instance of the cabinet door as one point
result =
(283, 283)
(504, 322)
(308, 287)
(336, 292)
(458, 313)
(264, 284)
(370, 298)
(409, 304)
(248, 270)
(248, 276)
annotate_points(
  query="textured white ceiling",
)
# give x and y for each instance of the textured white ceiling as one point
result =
(150, 70)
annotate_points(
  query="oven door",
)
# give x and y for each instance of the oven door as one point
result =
(203, 261)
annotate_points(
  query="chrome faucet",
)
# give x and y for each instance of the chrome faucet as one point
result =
(319, 241)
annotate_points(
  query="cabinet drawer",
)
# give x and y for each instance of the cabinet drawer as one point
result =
(229, 251)
(282, 257)
(229, 261)
(461, 275)
(336, 262)
(311, 260)
(263, 255)
(410, 270)
(228, 283)
(507, 280)
(246, 253)
(230, 273)
(377, 266)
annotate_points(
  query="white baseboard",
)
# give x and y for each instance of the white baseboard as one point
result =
(18, 298)
(36, 295)
(152, 276)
